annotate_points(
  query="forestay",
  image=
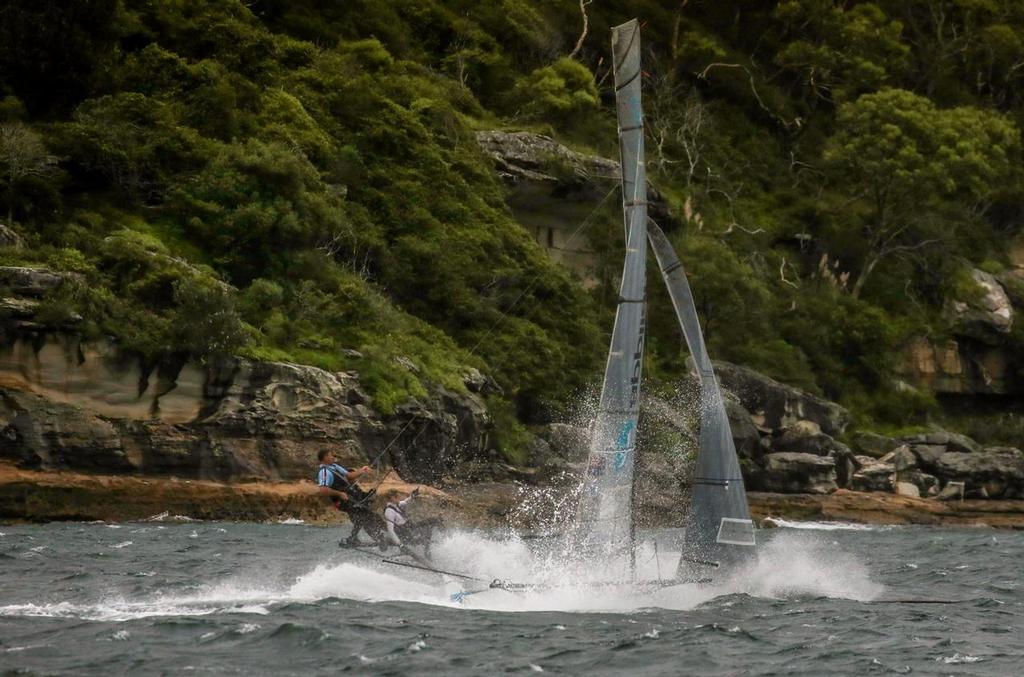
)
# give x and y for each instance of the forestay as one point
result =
(604, 518)
(718, 526)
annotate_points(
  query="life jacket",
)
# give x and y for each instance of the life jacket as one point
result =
(341, 483)
(397, 508)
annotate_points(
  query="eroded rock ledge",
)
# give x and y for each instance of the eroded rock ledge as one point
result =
(88, 406)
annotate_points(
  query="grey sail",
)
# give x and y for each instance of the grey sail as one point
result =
(718, 527)
(604, 516)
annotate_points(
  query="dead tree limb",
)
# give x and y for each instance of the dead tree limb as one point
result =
(586, 27)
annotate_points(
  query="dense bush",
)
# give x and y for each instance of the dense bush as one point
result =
(297, 180)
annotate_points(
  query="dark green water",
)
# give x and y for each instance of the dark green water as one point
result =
(207, 597)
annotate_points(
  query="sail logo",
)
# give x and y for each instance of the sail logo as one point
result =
(622, 444)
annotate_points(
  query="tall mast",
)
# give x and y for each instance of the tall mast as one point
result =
(605, 513)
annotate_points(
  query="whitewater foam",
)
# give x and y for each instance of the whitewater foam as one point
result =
(792, 563)
(824, 526)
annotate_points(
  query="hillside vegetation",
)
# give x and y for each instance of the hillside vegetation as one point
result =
(297, 180)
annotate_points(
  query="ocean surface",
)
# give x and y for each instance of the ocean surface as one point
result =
(171, 597)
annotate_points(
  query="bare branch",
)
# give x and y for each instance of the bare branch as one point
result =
(782, 275)
(586, 27)
(703, 75)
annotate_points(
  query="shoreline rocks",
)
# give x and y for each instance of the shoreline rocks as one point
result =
(33, 496)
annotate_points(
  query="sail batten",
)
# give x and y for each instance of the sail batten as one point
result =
(604, 516)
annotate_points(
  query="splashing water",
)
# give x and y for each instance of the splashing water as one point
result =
(792, 563)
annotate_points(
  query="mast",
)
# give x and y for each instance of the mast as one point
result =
(718, 527)
(604, 517)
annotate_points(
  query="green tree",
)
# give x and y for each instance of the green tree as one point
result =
(134, 141)
(840, 52)
(557, 92)
(22, 155)
(907, 162)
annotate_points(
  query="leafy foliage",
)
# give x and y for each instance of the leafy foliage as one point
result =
(298, 180)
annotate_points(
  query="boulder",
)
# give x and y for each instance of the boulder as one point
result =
(908, 489)
(806, 437)
(745, 436)
(927, 485)
(480, 383)
(30, 281)
(661, 493)
(994, 473)
(792, 472)
(928, 454)
(845, 464)
(952, 490)
(872, 475)
(872, 444)
(952, 441)
(989, 316)
(775, 406)
(901, 458)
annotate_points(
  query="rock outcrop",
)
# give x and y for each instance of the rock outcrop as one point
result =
(988, 317)
(976, 360)
(958, 367)
(65, 403)
(795, 472)
(775, 406)
(552, 190)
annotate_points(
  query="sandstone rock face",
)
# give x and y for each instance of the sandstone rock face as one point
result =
(68, 404)
(776, 406)
(958, 367)
(977, 362)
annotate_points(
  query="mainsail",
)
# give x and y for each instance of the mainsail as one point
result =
(718, 526)
(604, 517)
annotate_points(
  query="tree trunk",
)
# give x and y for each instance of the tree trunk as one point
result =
(859, 284)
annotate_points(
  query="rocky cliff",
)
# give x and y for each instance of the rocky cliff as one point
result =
(87, 405)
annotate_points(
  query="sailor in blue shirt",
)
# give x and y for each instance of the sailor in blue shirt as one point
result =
(338, 484)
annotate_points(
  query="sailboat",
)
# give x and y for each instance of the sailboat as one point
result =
(719, 533)
(718, 530)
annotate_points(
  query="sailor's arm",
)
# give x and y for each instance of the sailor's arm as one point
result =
(414, 494)
(333, 492)
(356, 473)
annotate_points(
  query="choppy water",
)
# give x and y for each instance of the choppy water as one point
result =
(208, 597)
